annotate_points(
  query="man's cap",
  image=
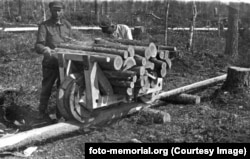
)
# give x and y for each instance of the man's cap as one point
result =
(105, 22)
(56, 4)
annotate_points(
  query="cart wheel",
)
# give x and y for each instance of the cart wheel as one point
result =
(149, 98)
(72, 99)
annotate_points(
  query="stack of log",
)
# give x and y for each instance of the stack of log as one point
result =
(129, 65)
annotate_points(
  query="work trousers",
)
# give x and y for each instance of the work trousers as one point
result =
(50, 77)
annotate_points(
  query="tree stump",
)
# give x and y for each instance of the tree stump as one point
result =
(238, 79)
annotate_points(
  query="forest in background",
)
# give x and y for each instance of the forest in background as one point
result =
(132, 13)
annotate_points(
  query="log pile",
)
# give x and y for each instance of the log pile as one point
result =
(130, 66)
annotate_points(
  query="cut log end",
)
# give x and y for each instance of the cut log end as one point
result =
(118, 62)
(131, 51)
(153, 49)
(126, 54)
(129, 63)
(163, 72)
(147, 53)
(161, 55)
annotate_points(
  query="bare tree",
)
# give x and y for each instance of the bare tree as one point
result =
(44, 10)
(3, 9)
(232, 32)
(166, 22)
(105, 7)
(194, 12)
(74, 7)
(217, 15)
(97, 11)
(8, 9)
(20, 7)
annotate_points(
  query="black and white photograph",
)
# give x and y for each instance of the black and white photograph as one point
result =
(138, 77)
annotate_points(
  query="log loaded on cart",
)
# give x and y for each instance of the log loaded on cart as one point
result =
(98, 81)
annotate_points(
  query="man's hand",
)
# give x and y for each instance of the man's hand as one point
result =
(47, 51)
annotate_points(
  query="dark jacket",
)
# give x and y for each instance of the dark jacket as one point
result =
(50, 34)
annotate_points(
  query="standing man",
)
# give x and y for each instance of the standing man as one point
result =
(118, 31)
(50, 33)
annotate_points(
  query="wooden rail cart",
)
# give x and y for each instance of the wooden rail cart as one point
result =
(99, 81)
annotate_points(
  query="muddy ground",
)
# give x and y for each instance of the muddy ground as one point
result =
(220, 118)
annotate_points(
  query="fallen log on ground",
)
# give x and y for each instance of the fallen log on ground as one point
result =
(39, 135)
(36, 135)
(193, 86)
(183, 99)
(156, 116)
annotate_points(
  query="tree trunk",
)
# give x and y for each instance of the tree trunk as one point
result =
(8, 7)
(232, 32)
(219, 25)
(44, 11)
(20, 8)
(166, 23)
(194, 9)
(105, 8)
(97, 11)
(238, 79)
(74, 7)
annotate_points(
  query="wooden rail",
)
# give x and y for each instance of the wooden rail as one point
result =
(24, 29)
